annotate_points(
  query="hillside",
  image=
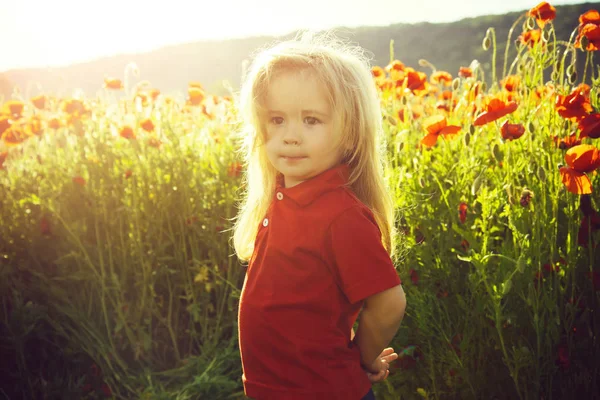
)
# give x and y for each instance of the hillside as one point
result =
(447, 46)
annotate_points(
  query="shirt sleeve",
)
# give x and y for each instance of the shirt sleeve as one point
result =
(360, 263)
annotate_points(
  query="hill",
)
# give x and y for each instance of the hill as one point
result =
(446, 45)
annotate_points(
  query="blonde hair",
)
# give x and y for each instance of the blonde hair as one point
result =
(346, 73)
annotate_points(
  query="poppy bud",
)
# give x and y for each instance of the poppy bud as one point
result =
(542, 174)
(545, 36)
(554, 75)
(570, 69)
(391, 120)
(483, 86)
(526, 196)
(506, 287)
(584, 42)
(467, 138)
(497, 153)
(573, 77)
(486, 43)
(530, 23)
(476, 184)
(455, 84)
(531, 127)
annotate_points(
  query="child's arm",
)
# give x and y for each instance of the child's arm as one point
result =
(379, 322)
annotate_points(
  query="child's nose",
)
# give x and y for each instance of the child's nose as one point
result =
(291, 136)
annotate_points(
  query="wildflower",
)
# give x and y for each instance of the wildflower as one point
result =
(414, 276)
(127, 132)
(195, 95)
(581, 159)
(395, 69)
(542, 13)
(154, 142)
(54, 123)
(14, 135)
(113, 83)
(415, 81)
(465, 72)
(441, 77)
(39, 102)
(435, 126)
(147, 125)
(526, 196)
(79, 180)
(589, 126)
(575, 105)
(464, 244)
(567, 142)
(494, 110)
(13, 108)
(378, 72)
(511, 131)
(511, 83)
(462, 212)
(531, 38)
(128, 174)
(589, 31)
(45, 226)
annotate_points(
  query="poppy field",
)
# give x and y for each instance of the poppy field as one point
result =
(118, 279)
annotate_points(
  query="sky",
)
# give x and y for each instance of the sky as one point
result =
(51, 33)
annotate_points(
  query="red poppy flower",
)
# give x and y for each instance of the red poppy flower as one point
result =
(583, 158)
(127, 132)
(567, 142)
(415, 81)
(378, 72)
(575, 105)
(589, 126)
(512, 131)
(437, 125)
(147, 125)
(462, 212)
(79, 180)
(395, 70)
(531, 38)
(112, 83)
(465, 72)
(54, 123)
(442, 77)
(495, 109)
(542, 13)
(576, 182)
(589, 27)
(563, 359)
(128, 174)
(39, 102)
(196, 95)
(414, 276)
(511, 83)
(45, 226)
(13, 108)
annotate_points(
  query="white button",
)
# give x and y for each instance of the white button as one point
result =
(279, 196)
(265, 221)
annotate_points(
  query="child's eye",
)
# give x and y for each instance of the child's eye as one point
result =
(312, 120)
(277, 120)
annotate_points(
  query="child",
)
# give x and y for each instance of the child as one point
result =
(316, 226)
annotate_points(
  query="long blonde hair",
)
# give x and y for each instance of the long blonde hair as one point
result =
(346, 72)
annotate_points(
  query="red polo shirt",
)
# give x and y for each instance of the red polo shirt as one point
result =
(317, 256)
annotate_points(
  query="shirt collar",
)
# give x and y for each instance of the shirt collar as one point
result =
(305, 192)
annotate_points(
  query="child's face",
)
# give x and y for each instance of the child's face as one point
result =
(300, 127)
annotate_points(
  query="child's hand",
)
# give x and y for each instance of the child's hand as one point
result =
(380, 369)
